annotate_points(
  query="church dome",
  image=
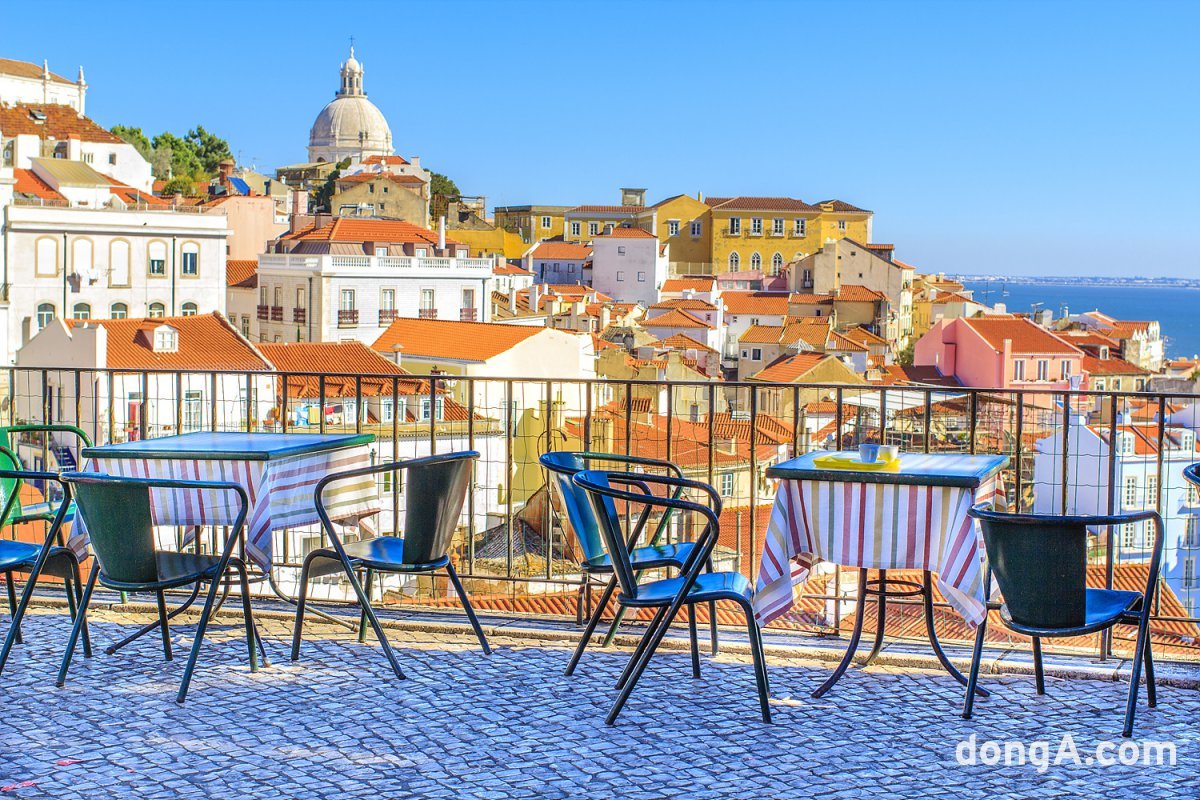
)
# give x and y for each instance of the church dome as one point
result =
(350, 126)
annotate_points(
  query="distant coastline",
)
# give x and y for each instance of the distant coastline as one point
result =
(1082, 280)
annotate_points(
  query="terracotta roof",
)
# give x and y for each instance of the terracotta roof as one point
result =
(577, 290)
(899, 374)
(30, 185)
(385, 160)
(839, 205)
(852, 293)
(814, 334)
(27, 69)
(1026, 336)
(241, 273)
(766, 303)
(1111, 366)
(883, 248)
(367, 177)
(1125, 329)
(843, 344)
(790, 368)
(351, 229)
(863, 336)
(951, 297)
(699, 284)
(902, 265)
(454, 341)
(205, 342)
(607, 209)
(768, 429)
(330, 358)
(629, 233)
(796, 298)
(761, 334)
(759, 204)
(693, 303)
(1145, 437)
(1088, 339)
(61, 122)
(510, 269)
(681, 341)
(689, 447)
(567, 251)
(675, 318)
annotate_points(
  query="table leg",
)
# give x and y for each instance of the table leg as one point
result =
(854, 637)
(927, 597)
(881, 621)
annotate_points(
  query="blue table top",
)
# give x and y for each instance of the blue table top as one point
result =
(230, 446)
(922, 469)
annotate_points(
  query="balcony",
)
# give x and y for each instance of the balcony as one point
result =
(347, 318)
(276, 313)
(264, 313)
(468, 314)
(386, 316)
(427, 313)
(299, 315)
(374, 265)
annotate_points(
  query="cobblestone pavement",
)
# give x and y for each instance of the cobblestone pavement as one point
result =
(464, 725)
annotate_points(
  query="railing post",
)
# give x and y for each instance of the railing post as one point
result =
(212, 401)
(1066, 452)
(321, 399)
(358, 405)
(1110, 536)
(474, 471)
(753, 481)
(78, 422)
(1159, 487)
(1018, 505)
(712, 409)
(142, 424)
(547, 523)
(283, 402)
(433, 390)
(508, 472)
(250, 412)
(111, 414)
(178, 402)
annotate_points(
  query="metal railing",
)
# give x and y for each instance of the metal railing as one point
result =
(725, 433)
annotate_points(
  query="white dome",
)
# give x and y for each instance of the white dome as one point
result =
(349, 127)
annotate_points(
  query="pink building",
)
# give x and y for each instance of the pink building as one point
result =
(999, 352)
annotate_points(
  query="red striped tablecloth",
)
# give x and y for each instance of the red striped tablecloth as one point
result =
(280, 493)
(877, 526)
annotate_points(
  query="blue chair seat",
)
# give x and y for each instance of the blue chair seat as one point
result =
(709, 586)
(1102, 608)
(174, 569)
(386, 553)
(15, 554)
(653, 557)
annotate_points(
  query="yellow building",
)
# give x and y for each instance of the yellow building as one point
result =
(533, 223)
(489, 241)
(765, 233)
(684, 223)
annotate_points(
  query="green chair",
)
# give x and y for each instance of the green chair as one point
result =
(50, 558)
(1040, 564)
(436, 489)
(121, 529)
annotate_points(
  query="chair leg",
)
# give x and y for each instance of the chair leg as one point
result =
(1135, 675)
(201, 627)
(466, 601)
(1151, 688)
(593, 621)
(1039, 675)
(301, 600)
(248, 615)
(693, 646)
(162, 621)
(712, 619)
(365, 603)
(976, 658)
(362, 617)
(77, 627)
(77, 586)
(12, 605)
(760, 663)
(641, 647)
(654, 637)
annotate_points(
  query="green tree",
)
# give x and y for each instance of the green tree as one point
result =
(135, 137)
(180, 184)
(209, 148)
(183, 159)
(905, 357)
(323, 196)
(441, 191)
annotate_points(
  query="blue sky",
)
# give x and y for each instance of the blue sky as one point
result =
(1017, 137)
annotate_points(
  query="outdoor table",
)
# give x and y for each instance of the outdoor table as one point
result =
(913, 517)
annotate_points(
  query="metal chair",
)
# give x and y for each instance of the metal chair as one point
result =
(1040, 564)
(121, 529)
(436, 490)
(50, 558)
(576, 517)
(667, 596)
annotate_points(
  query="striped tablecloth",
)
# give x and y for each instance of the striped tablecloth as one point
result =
(877, 526)
(280, 493)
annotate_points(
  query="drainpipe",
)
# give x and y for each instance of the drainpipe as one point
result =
(173, 247)
(64, 270)
(308, 316)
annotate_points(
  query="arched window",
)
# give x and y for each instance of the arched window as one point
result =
(118, 263)
(45, 313)
(190, 260)
(189, 309)
(158, 310)
(83, 258)
(735, 262)
(118, 311)
(776, 263)
(81, 311)
(156, 259)
(755, 261)
(46, 260)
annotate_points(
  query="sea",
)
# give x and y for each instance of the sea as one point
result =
(1176, 309)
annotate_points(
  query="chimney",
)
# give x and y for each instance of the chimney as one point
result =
(512, 301)
(535, 292)
(700, 196)
(224, 171)
(442, 232)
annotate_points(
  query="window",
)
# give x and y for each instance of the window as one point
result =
(81, 311)
(47, 257)
(112, 158)
(121, 311)
(1151, 489)
(156, 264)
(191, 260)
(246, 325)
(1189, 572)
(697, 227)
(1098, 385)
(1131, 492)
(755, 261)
(88, 158)
(45, 313)
(546, 223)
(801, 228)
(1193, 495)
(189, 310)
(279, 295)
(672, 227)
(620, 250)
(756, 354)
(641, 277)
(82, 259)
(841, 224)
(726, 484)
(118, 263)
(300, 298)
(387, 299)
(166, 340)
(440, 408)
(1191, 538)
(347, 300)
(756, 226)
(776, 263)
(735, 225)
(262, 295)
(380, 251)
(777, 226)
(735, 262)
(1043, 370)
(1065, 372)
(593, 228)
(428, 299)
(1129, 536)
(468, 300)
(386, 414)
(620, 275)
(193, 410)
(574, 228)
(1019, 369)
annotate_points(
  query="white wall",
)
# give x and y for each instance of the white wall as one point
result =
(630, 270)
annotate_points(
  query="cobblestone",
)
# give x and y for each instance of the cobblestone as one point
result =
(508, 726)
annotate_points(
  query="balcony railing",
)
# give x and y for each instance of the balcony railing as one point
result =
(387, 316)
(468, 314)
(427, 313)
(724, 433)
(299, 315)
(277, 313)
(347, 318)
(264, 312)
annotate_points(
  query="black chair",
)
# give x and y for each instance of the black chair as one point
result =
(577, 518)
(50, 558)
(436, 490)
(667, 595)
(121, 529)
(1040, 564)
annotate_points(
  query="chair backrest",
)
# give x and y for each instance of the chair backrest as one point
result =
(436, 488)
(597, 490)
(1191, 473)
(10, 487)
(119, 525)
(575, 510)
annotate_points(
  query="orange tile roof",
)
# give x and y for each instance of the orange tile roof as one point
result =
(205, 342)
(759, 204)
(61, 122)
(331, 358)
(681, 341)
(607, 209)
(1025, 335)
(567, 251)
(761, 334)
(378, 159)
(768, 429)
(351, 229)
(951, 297)
(454, 341)
(863, 336)
(368, 177)
(796, 298)
(853, 293)
(241, 273)
(1111, 366)
(768, 303)
(510, 269)
(698, 284)
(686, 303)
(1088, 338)
(843, 344)
(1145, 437)
(675, 318)
(29, 184)
(629, 233)
(894, 374)
(27, 69)
(790, 368)
(902, 265)
(839, 205)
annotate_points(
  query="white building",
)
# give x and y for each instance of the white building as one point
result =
(629, 265)
(24, 83)
(343, 278)
(558, 262)
(1139, 485)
